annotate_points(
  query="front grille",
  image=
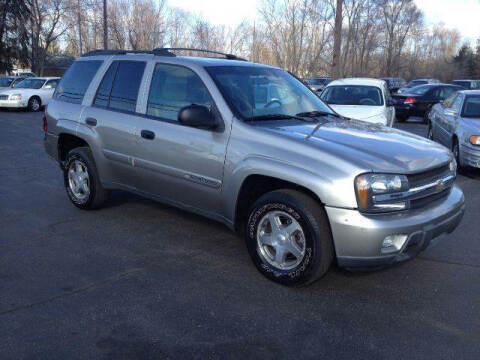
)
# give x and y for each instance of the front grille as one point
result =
(428, 176)
(418, 203)
(3, 97)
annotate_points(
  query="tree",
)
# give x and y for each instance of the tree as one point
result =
(337, 41)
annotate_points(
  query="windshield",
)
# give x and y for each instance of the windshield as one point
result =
(317, 81)
(417, 82)
(258, 91)
(472, 107)
(465, 84)
(30, 84)
(352, 95)
(5, 82)
(420, 90)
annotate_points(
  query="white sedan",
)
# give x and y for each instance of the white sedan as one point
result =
(31, 93)
(361, 99)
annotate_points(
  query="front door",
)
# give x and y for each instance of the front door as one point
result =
(179, 163)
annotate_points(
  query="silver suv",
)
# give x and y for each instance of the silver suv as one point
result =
(251, 146)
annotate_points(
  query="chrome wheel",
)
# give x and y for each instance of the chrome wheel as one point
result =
(280, 240)
(34, 104)
(78, 180)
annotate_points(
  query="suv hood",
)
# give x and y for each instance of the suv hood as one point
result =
(371, 147)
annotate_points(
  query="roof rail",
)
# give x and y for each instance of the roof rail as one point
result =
(227, 56)
(125, 52)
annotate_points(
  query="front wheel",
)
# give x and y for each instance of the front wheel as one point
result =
(34, 103)
(288, 237)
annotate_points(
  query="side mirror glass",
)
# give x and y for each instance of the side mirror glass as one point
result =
(197, 116)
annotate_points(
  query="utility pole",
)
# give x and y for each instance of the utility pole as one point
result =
(105, 28)
(337, 41)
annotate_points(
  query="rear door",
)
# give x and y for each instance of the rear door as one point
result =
(178, 163)
(113, 116)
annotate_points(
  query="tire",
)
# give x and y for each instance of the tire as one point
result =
(84, 188)
(312, 237)
(430, 132)
(34, 104)
(456, 154)
(425, 116)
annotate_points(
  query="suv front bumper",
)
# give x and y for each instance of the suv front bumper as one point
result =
(358, 237)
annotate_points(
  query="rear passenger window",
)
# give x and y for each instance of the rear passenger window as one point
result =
(120, 84)
(172, 88)
(76, 80)
(103, 93)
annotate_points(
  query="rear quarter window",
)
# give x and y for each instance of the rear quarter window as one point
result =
(76, 80)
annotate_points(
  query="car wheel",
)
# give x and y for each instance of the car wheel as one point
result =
(288, 237)
(456, 154)
(81, 179)
(430, 132)
(34, 103)
(425, 116)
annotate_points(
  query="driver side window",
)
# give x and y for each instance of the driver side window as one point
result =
(172, 88)
(51, 84)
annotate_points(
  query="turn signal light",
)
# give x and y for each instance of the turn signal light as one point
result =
(475, 139)
(410, 100)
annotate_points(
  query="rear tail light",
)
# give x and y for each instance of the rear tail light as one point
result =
(44, 119)
(410, 100)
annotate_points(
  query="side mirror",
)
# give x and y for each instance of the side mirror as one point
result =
(197, 116)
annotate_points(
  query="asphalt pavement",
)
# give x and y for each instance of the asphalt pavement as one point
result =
(141, 280)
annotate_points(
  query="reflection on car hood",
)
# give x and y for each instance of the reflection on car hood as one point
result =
(359, 112)
(369, 146)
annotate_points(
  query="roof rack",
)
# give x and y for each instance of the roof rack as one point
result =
(126, 52)
(160, 52)
(227, 56)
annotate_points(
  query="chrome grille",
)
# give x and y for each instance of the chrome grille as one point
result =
(3, 97)
(429, 176)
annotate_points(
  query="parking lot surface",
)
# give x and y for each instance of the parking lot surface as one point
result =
(141, 280)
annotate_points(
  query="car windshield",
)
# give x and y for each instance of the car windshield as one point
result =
(254, 91)
(417, 82)
(471, 108)
(465, 84)
(5, 82)
(30, 84)
(419, 90)
(352, 95)
(317, 81)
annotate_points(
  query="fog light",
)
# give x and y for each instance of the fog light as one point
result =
(393, 243)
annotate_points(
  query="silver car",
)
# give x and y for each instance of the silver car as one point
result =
(455, 123)
(250, 146)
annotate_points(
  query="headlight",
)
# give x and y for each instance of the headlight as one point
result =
(475, 139)
(369, 186)
(15, 97)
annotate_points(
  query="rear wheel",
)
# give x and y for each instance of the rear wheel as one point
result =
(34, 103)
(456, 154)
(82, 182)
(288, 237)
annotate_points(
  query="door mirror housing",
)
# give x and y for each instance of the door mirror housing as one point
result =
(197, 116)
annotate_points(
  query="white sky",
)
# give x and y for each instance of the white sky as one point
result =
(464, 15)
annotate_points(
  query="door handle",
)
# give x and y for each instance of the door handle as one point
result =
(147, 134)
(91, 121)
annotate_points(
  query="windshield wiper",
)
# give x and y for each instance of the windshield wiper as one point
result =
(317, 113)
(276, 117)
